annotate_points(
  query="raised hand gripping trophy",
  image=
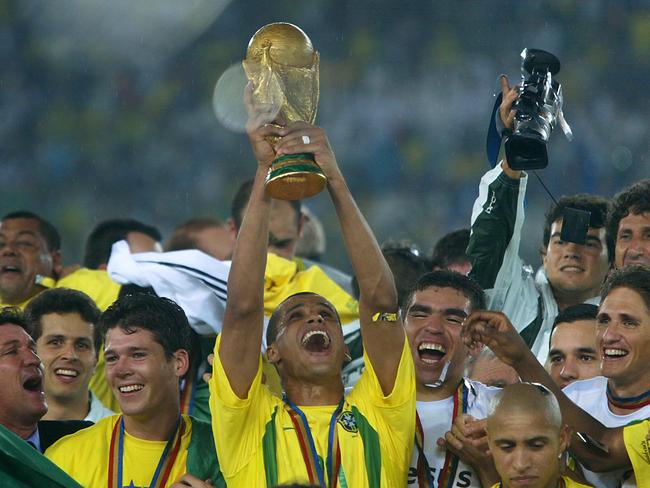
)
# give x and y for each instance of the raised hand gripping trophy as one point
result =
(283, 67)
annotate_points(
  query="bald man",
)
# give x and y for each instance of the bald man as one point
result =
(527, 438)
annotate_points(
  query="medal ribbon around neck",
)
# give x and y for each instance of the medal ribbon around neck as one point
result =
(631, 403)
(167, 459)
(447, 474)
(187, 396)
(308, 446)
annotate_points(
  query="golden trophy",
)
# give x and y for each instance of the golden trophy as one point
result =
(283, 67)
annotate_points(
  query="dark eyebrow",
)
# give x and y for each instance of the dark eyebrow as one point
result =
(418, 307)
(593, 239)
(294, 307)
(301, 304)
(589, 350)
(455, 311)
(11, 343)
(538, 438)
(588, 238)
(128, 350)
(555, 351)
(29, 233)
(627, 316)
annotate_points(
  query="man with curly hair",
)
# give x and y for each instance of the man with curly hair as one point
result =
(628, 225)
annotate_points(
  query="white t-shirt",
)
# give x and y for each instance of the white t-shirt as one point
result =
(436, 419)
(591, 396)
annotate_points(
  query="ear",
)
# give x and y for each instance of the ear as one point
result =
(232, 228)
(565, 438)
(542, 254)
(57, 267)
(272, 354)
(301, 223)
(181, 359)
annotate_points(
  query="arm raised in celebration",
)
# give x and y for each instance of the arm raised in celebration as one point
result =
(382, 339)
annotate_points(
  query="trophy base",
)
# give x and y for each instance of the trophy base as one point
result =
(294, 177)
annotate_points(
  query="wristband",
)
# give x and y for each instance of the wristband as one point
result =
(384, 317)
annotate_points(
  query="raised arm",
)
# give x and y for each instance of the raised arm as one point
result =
(243, 323)
(498, 213)
(383, 340)
(495, 331)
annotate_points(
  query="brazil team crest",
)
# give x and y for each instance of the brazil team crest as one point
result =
(348, 422)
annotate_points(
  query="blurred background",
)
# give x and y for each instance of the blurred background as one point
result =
(106, 106)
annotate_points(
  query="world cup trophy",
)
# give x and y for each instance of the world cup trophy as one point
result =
(283, 67)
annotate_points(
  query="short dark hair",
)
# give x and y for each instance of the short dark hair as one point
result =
(574, 313)
(596, 205)
(451, 248)
(276, 316)
(49, 233)
(161, 316)
(406, 264)
(240, 201)
(448, 279)
(634, 199)
(108, 232)
(634, 277)
(182, 236)
(13, 316)
(62, 300)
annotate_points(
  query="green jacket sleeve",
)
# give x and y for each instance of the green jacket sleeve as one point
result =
(497, 218)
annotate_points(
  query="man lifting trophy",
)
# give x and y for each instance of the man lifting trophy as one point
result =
(282, 66)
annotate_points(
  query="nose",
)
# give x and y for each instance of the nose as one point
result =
(120, 368)
(569, 370)
(635, 248)
(70, 352)
(8, 249)
(572, 250)
(435, 324)
(315, 318)
(520, 460)
(30, 357)
(610, 334)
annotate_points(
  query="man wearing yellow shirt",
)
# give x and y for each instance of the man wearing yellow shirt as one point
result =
(527, 438)
(316, 435)
(147, 340)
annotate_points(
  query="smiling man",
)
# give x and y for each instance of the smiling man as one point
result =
(29, 255)
(146, 339)
(22, 402)
(622, 394)
(570, 273)
(434, 313)
(574, 354)
(63, 324)
(316, 434)
(628, 225)
(527, 438)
